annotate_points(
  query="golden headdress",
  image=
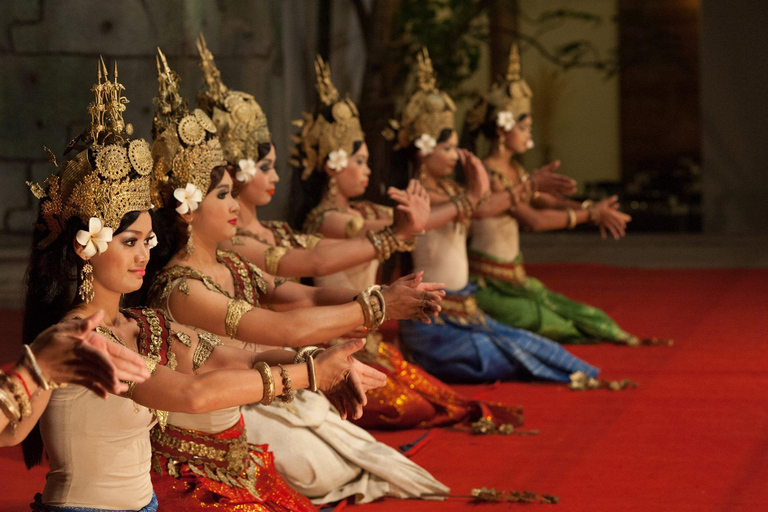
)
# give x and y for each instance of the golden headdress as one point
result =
(241, 122)
(511, 95)
(185, 147)
(428, 111)
(335, 127)
(110, 175)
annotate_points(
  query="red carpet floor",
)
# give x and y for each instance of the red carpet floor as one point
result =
(692, 437)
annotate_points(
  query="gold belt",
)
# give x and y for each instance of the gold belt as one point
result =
(483, 267)
(462, 309)
(232, 452)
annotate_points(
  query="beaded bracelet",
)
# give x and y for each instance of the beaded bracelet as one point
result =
(287, 394)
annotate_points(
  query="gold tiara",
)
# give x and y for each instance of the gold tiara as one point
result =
(428, 110)
(512, 94)
(108, 178)
(185, 147)
(240, 120)
(319, 135)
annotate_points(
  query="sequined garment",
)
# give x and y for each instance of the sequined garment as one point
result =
(248, 279)
(193, 471)
(412, 398)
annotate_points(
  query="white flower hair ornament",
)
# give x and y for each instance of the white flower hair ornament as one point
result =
(94, 241)
(505, 120)
(529, 144)
(247, 170)
(426, 144)
(152, 240)
(189, 198)
(337, 160)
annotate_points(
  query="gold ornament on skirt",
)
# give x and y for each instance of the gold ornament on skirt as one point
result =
(428, 111)
(185, 148)
(333, 129)
(239, 119)
(108, 178)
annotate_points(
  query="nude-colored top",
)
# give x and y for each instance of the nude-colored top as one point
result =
(442, 255)
(208, 422)
(99, 451)
(358, 278)
(498, 237)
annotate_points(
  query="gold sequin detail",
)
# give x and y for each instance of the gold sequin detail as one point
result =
(205, 345)
(235, 310)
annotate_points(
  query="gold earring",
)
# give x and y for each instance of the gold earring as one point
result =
(190, 248)
(85, 290)
(333, 189)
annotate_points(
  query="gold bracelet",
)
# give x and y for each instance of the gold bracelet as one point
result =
(372, 314)
(586, 205)
(353, 227)
(272, 258)
(379, 245)
(311, 373)
(9, 407)
(287, 394)
(268, 381)
(382, 303)
(19, 395)
(236, 308)
(206, 342)
(571, 218)
(31, 363)
(303, 353)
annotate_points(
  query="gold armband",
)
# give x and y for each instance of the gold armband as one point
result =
(206, 342)
(272, 259)
(236, 308)
(19, 395)
(268, 395)
(353, 227)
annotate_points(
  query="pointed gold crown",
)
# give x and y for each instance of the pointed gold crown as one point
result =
(512, 94)
(240, 120)
(108, 178)
(428, 110)
(185, 147)
(336, 126)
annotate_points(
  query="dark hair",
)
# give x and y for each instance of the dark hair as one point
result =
(172, 236)
(306, 194)
(405, 161)
(262, 151)
(51, 291)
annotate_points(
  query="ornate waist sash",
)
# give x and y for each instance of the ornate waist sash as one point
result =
(481, 266)
(462, 309)
(224, 457)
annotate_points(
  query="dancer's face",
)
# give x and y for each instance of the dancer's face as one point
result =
(215, 220)
(120, 269)
(353, 179)
(261, 188)
(517, 138)
(442, 161)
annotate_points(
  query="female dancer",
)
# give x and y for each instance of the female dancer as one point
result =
(463, 344)
(323, 457)
(65, 353)
(505, 291)
(412, 397)
(94, 223)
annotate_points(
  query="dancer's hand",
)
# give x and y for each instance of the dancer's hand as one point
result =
(478, 183)
(412, 212)
(411, 298)
(612, 220)
(345, 380)
(72, 352)
(547, 180)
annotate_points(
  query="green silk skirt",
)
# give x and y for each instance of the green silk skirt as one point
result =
(509, 296)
